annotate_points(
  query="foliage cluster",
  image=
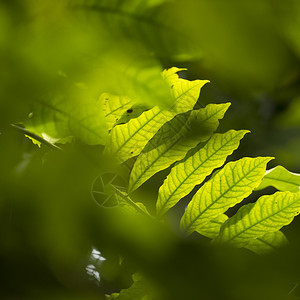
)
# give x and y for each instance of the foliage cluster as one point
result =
(155, 138)
(134, 190)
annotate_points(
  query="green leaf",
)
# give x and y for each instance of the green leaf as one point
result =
(228, 187)
(75, 114)
(114, 108)
(104, 45)
(135, 111)
(171, 74)
(129, 206)
(281, 179)
(262, 245)
(269, 214)
(185, 92)
(34, 141)
(184, 176)
(129, 71)
(128, 140)
(267, 243)
(212, 228)
(174, 140)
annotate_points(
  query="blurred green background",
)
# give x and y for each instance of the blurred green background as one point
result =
(249, 50)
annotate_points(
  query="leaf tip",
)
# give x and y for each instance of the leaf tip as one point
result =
(224, 107)
(245, 131)
(269, 158)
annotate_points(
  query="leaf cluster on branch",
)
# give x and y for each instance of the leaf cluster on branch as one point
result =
(183, 139)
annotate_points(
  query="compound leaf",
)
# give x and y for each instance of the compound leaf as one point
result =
(269, 214)
(184, 176)
(174, 140)
(228, 187)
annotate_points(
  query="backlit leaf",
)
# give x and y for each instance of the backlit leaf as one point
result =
(128, 140)
(267, 243)
(114, 108)
(174, 140)
(269, 214)
(281, 179)
(184, 176)
(228, 187)
(262, 245)
(212, 228)
(76, 114)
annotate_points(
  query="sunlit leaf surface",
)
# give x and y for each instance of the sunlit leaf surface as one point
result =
(281, 179)
(184, 176)
(228, 187)
(269, 214)
(174, 140)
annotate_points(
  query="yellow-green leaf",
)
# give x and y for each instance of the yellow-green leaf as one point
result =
(114, 108)
(128, 140)
(262, 245)
(281, 179)
(184, 176)
(228, 187)
(212, 228)
(267, 243)
(269, 214)
(185, 92)
(174, 140)
(34, 141)
(75, 114)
